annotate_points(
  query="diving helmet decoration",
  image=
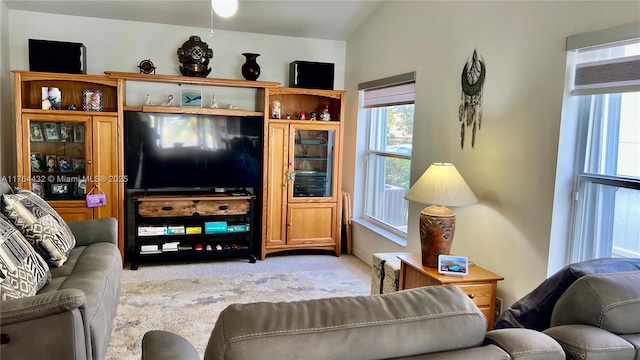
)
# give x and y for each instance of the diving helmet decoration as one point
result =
(470, 110)
(194, 56)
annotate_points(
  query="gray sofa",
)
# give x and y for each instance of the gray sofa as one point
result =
(438, 322)
(71, 317)
(598, 317)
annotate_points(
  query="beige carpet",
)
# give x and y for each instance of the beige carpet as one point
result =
(187, 298)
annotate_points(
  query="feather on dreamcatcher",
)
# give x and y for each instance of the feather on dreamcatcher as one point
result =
(470, 111)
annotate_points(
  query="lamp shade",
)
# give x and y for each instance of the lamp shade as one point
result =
(441, 184)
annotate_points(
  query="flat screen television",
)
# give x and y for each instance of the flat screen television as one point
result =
(185, 151)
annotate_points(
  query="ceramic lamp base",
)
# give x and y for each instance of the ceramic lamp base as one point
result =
(437, 226)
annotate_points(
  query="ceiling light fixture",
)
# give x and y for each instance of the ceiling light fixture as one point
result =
(225, 8)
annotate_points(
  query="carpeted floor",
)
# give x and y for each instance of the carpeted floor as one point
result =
(186, 298)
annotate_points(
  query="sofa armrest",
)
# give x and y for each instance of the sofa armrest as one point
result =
(586, 342)
(88, 232)
(41, 305)
(525, 344)
(164, 345)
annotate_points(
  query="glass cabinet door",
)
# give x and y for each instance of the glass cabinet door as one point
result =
(57, 159)
(313, 162)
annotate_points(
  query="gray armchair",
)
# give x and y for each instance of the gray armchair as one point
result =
(424, 323)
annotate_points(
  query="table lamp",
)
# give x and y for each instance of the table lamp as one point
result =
(441, 185)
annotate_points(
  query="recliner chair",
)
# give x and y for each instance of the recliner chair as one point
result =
(437, 322)
(598, 317)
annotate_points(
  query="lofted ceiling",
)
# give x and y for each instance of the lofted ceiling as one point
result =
(319, 19)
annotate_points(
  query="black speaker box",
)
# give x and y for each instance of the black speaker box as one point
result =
(57, 56)
(311, 75)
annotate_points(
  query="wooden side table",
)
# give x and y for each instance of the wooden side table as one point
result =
(480, 284)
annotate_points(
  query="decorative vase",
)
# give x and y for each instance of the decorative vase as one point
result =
(251, 69)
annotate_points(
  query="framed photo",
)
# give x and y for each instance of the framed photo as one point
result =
(77, 164)
(51, 98)
(51, 132)
(60, 190)
(37, 162)
(81, 188)
(64, 164)
(78, 133)
(36, 132)
(191, 98)
(66, 132)
(36, 188)
(52, 163)
(92, 100)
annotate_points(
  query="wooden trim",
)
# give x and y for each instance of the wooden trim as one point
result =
(193, 110)
(191, 80)
(334, 94)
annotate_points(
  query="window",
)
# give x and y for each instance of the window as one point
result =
(607, 198)
(388, 112)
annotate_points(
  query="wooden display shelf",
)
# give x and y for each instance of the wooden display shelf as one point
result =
(334, 94)
(68, 112)
(191, 80)
(193, 110)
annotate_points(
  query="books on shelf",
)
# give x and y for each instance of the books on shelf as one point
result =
(175, 230)
(151, 230)
(238, 228)
(215, 227)
(150, 249)
(170, 246)
(193, 229)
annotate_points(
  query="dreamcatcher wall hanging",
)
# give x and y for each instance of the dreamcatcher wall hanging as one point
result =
(470, 111)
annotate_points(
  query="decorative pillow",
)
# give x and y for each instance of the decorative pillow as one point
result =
(41, 225)
(22, 271)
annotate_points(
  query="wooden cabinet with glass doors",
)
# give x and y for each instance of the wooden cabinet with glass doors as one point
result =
(63, 154)
(303, 171)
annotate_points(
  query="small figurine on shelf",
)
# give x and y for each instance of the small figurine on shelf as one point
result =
(169, 101)
(148, 100)
(312, 116)
(214, 102)
(229, 106)
(325, 116)
(302, 115)
(288, 116)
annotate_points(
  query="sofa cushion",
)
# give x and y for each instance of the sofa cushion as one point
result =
(608, 301)
(342, 327)
(41, 225)
(22, 271)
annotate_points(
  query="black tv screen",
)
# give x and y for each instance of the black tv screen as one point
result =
(170, 151)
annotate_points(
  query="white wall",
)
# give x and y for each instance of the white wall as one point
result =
(6, 129)
(512, 167)
(121, 45)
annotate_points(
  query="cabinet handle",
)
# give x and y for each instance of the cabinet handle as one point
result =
(167, 208)
(471, 296)
(223, 207)
(88, 161)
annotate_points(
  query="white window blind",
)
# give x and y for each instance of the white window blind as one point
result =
(396, 90)
(607, 67)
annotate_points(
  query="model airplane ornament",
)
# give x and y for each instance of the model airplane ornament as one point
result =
(470, 110)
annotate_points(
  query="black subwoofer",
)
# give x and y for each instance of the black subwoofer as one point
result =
(57, 56)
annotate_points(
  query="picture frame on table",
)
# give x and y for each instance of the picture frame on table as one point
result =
(51, 98)
(78, 133)
(36, 188)
(51, 132)
(191, 98)
(81, 187)
(77, 164)
(36, 133)
(37, 162)
(64, 163)
(66, 132)
(52, 163)
(60, 189)
(92, 100)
